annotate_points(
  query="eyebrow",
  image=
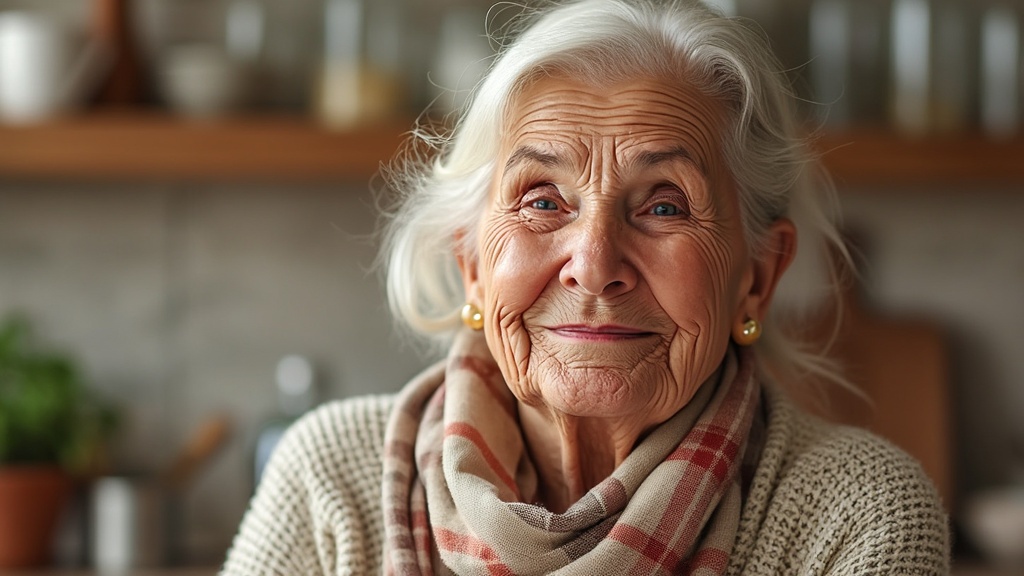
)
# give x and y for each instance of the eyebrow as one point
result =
(524, 153)
(653, 158)
(647, 159)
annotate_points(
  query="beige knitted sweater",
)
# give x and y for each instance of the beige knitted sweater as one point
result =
(823, 500)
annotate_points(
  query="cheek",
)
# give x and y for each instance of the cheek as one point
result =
(706, 269)
(516, 266)
(699, 292)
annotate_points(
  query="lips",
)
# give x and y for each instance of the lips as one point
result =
(604, 333)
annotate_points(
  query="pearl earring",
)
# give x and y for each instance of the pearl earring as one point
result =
(472, 317)
(747, 333)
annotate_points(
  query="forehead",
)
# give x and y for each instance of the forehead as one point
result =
(636, 116)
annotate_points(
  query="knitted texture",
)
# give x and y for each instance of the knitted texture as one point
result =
(823, 500)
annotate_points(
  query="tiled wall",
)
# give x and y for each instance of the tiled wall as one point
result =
(180, 299)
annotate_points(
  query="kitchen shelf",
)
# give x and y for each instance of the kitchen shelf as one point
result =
(875, 159)
(155, 145)
(151, 145)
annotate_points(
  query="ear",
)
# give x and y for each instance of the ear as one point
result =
(468, 267)
(767, 270)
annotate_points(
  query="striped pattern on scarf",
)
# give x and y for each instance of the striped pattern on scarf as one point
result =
(460, 491)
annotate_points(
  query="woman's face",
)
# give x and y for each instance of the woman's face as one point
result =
(611, 263)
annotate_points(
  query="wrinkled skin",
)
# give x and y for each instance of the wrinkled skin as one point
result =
(611, 267)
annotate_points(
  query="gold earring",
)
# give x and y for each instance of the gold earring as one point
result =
(472, 317)
(747, 333)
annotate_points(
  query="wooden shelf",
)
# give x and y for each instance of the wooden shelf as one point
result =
(158, 146)
(867, 159)
(153, 145)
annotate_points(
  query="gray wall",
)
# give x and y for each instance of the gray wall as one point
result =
(957, 258)
(179, 300)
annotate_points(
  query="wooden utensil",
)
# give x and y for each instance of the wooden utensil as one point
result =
(200, 448)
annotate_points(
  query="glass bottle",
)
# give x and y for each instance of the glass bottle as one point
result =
(848, 60)
(1000, 63)
(296, 394)
(462, 57)
(953, 68)
(831, 59)
(932, 71)
(912, 57)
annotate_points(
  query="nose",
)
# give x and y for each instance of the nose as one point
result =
(597, 262)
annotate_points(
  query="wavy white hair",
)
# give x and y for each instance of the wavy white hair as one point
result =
(440, 197)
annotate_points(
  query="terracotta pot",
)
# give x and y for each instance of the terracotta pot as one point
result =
(32, 499)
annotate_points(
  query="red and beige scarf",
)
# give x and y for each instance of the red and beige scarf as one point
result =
(459, 486)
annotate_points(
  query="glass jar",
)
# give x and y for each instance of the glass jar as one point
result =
(360, 78)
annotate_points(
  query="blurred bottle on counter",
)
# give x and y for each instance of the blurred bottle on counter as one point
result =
(296, 394)
(848, 60)
(112, 26)
(462, 57)
(245, 31)
(1001, 74)
(911, 65)
(954, 86)
(831, 64)
(360, 78)
(932, 66)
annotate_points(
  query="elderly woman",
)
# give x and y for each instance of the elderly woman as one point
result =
(612, 216)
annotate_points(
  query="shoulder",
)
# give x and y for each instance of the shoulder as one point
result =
(340, 431)
(831, 499)
(334, 454)
(317, 509)
(851, 463)
(337, 442)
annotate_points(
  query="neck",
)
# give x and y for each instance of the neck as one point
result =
(573, 454)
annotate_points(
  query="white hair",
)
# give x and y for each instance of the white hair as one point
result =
(440, 197)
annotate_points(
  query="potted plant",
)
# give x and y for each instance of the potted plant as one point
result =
(51, 428)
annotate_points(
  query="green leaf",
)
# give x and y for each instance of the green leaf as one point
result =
(47, 414)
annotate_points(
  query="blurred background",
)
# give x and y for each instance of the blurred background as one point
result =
(187, 214)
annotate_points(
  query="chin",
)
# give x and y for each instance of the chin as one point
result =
(593, 392)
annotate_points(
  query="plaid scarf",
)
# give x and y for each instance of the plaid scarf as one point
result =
(458, 482)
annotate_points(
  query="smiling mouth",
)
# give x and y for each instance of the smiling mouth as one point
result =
(606, 333)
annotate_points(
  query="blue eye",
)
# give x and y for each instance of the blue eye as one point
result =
(544, 204)
(665, 210)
